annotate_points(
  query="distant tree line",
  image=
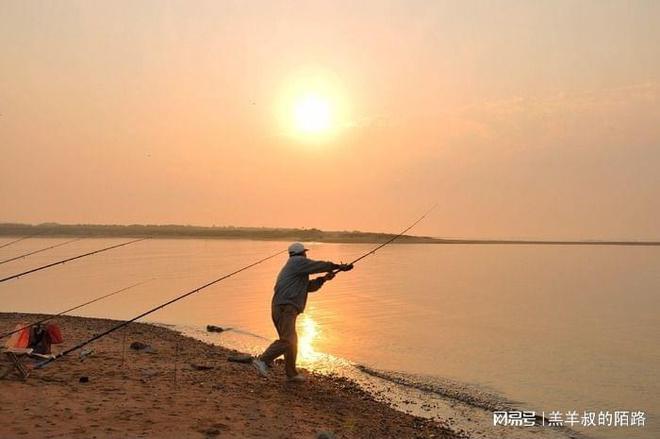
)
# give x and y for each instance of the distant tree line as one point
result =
(187, 231)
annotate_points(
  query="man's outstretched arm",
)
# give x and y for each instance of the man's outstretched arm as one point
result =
(316, 284)
(310, 266)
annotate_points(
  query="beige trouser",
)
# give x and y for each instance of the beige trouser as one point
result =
(284, 318)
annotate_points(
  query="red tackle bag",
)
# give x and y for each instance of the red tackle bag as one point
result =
(55, 334)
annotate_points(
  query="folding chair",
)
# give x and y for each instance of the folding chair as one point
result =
(13, 362)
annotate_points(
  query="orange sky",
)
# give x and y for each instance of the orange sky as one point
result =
(522, 119)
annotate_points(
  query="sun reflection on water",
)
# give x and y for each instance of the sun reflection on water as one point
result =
(308, 331)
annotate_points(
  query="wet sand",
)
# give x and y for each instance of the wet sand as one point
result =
(183, 388)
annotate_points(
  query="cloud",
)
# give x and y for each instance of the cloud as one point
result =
(603, 117)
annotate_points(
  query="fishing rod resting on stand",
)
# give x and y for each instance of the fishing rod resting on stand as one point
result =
(64, 261)
(44, 320)
(17, 240)
(25, 255)
(152, 310)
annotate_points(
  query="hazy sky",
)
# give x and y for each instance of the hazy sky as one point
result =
(522, 119)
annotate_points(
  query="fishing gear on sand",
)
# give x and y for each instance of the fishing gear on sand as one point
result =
(44, 320)
(64, 261)
(152, 310)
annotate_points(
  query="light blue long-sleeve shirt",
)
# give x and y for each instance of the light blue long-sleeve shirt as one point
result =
(293, 282)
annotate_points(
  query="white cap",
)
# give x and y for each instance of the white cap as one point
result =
(296, 248)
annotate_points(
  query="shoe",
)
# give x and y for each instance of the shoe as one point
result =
(296, 379)
(260, 366)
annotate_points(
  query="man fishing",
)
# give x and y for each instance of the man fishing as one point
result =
(289, 300)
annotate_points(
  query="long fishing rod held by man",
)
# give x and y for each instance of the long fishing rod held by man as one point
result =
(295, 250)
(290, 297)
(291, 289)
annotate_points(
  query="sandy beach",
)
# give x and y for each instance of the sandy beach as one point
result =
(182, 387)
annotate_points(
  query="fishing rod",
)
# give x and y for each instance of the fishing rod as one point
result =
(16, 240)
(14, 276)
(44, 320)
(40, 250)
(182, 296)
(152, 310)
(373, 251)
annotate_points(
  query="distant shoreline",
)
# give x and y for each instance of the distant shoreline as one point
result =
(265, 234)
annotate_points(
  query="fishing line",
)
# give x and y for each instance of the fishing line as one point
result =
(43, 267)
(39, 251)
(16, 240)
(375, 249)
(7, 334)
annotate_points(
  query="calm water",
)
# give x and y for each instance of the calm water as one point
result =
(549, 327)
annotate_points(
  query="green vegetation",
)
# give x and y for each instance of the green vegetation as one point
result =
(179, 231)
(260, 233)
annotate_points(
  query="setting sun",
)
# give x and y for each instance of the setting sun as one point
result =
(183, 183)
(312, 105)
(312, 114)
